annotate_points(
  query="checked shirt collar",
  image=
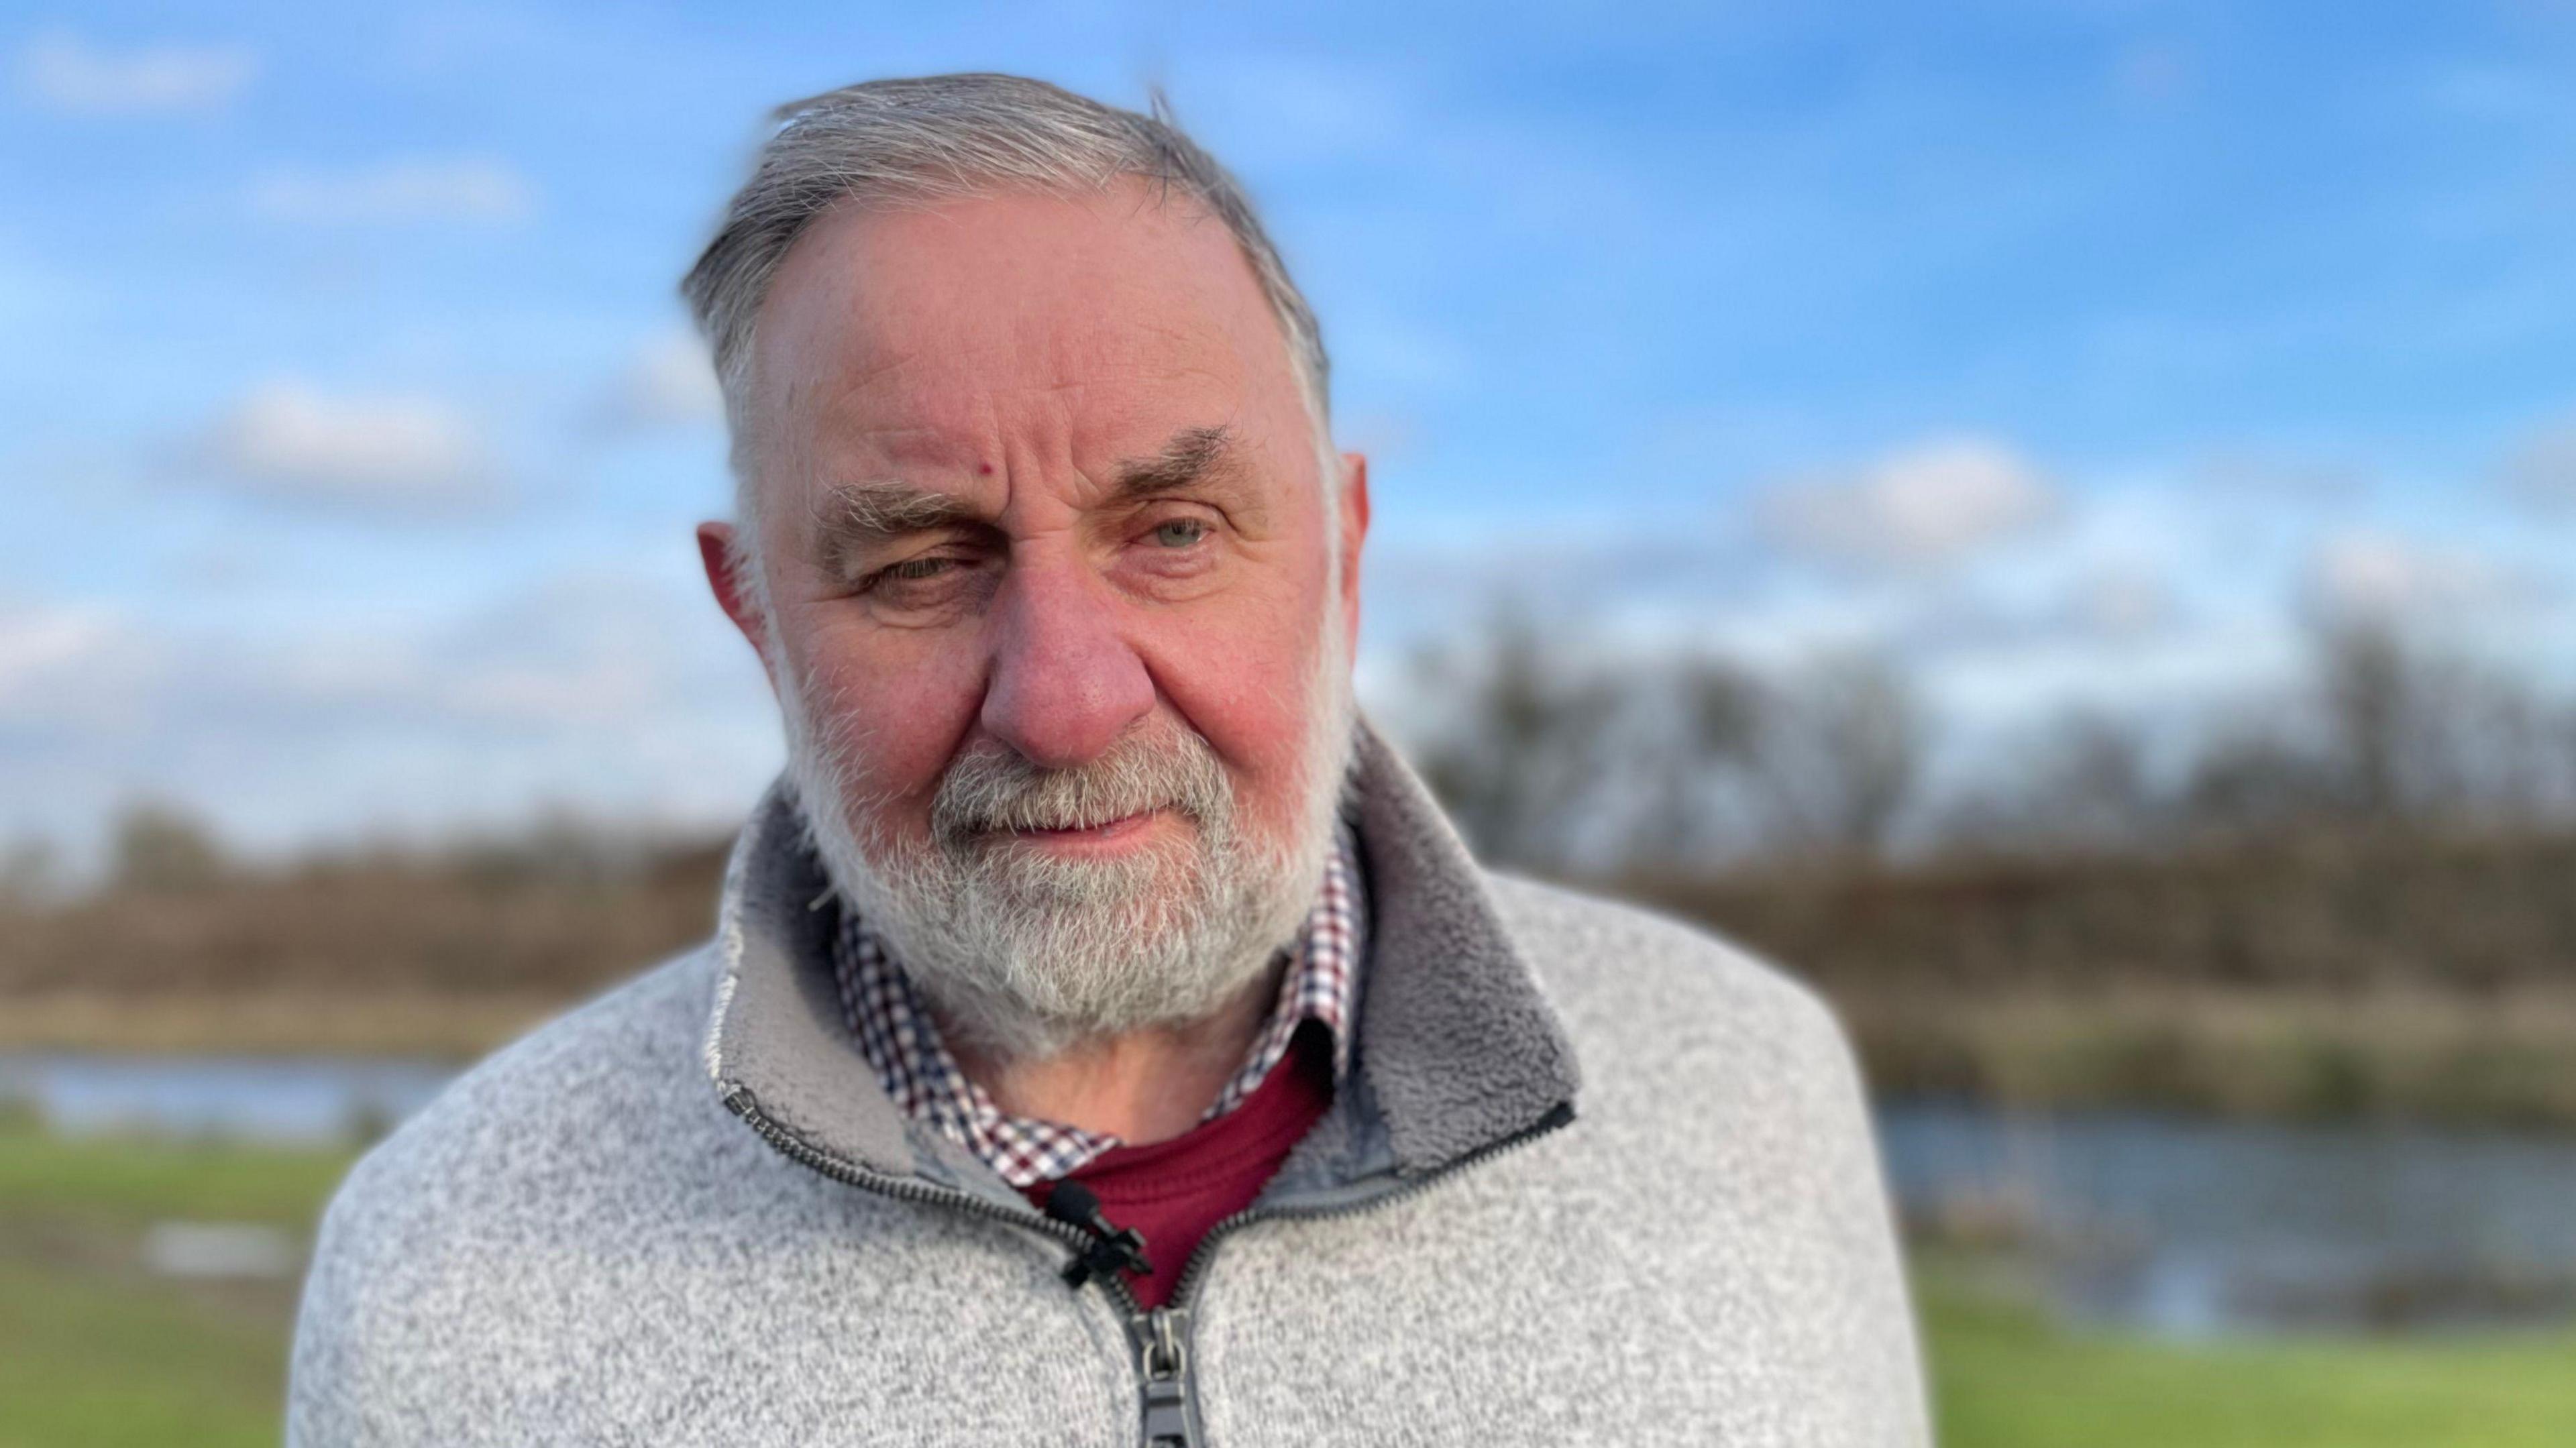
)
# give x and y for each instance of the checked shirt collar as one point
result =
(902, 1044)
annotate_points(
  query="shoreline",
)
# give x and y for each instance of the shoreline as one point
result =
(2450, 1059)
(413, 1024)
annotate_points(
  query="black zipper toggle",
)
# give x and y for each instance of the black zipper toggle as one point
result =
(1112, 1250)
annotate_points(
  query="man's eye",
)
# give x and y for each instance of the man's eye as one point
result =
(918, 568)
(1180, 532)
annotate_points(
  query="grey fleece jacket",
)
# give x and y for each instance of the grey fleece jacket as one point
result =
(686, 1214)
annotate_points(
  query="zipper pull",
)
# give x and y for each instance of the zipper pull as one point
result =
(1112, 1250)
(1163, 1367)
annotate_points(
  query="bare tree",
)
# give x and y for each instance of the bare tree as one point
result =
(2086, 781)
(1694, 755)
(158, 847)
(1521, 756)
(30, 873)
(2248, 781)
(1843, 754)
(2415, 733)
(1558, 756)
(2380, 741)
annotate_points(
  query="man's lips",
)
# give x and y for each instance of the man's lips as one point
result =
(1109, 832)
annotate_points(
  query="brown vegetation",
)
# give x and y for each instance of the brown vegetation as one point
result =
(2369, 912)
(2328, 977)
(2403, 973)
(445, 954)
(2333, 915)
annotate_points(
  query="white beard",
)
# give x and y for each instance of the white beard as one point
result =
(1022, 955)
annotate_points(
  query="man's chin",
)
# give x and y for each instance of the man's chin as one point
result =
(1029, 965)
(1121, 893)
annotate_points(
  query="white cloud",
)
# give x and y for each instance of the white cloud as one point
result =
(290, 441)
(2371, 574)
(61, 72)
(1927, 506)
(2119, 599)
(35, 641)
(668, 383)
(617, 691)
(393, 193)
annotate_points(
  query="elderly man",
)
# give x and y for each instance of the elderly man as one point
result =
(1104, 1039)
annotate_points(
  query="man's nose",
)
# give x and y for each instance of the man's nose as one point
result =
(1064, 681)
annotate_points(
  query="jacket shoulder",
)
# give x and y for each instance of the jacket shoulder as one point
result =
(581, 1105)
(496, 1189)
(1590, 953)
(1665, 1015)
(564, 1088)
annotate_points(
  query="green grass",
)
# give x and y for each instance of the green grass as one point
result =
(2006, 1377)
(94, 1350)
(147, 1180)
(92, 1361)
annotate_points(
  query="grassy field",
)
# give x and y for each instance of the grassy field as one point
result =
(95, 1350)
(2006, 1377)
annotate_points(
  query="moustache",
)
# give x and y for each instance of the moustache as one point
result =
(992, 788)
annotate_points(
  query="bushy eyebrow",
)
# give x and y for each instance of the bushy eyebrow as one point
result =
(1205, 463)
(850, 518)
(1195, 456)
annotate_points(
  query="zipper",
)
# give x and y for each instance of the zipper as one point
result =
(1160, 1337)
(740, 1103)
(1558, 1115)
(1163, 1377)
(1162, 1360)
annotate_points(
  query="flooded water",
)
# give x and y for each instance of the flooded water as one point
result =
(2177, 1226)
(2192, 1227)
(291, 1101)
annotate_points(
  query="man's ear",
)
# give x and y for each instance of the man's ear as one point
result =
(733, 591)
(1354, 533)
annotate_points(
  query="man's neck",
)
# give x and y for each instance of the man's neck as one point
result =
(1142, 1086)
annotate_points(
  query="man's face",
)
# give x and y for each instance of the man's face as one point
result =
(1042, 527)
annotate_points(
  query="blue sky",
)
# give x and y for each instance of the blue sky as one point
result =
(2071, 352)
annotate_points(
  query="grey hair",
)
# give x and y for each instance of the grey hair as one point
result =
(934, 138)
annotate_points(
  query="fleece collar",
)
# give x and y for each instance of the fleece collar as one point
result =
(1456, 1047)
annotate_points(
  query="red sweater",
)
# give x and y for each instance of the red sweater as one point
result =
(1173, 1191)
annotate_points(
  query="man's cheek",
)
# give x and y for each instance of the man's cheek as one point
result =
(908, 730)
